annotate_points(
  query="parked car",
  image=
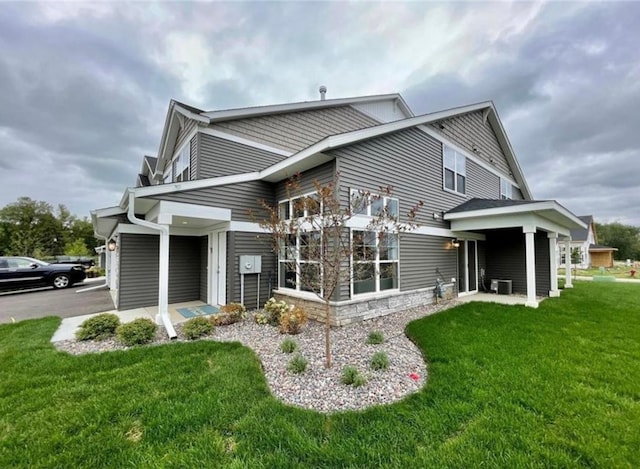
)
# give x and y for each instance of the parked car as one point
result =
(86, 262)
(24, 272)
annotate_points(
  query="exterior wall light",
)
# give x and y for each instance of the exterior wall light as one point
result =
(111, 245)
(455, 243)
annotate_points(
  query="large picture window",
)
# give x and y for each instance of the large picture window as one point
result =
(375, 262)
(455, 170)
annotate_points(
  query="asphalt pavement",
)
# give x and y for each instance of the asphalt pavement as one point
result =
(66, 303)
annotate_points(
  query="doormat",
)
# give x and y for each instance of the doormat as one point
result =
(193, 311)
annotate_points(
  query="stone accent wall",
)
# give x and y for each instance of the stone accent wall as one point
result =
(354, 311)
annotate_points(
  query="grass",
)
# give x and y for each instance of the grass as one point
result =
(508, 387)
(617, 271)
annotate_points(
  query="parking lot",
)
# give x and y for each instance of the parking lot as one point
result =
(48, 302)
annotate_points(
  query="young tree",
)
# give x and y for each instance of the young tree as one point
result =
(310, 234)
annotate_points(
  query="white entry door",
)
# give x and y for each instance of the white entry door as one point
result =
(217, 268)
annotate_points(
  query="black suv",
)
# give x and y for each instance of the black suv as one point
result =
(24, 272)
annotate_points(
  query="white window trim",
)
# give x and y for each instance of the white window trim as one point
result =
(506, 184)
(455, 171)
(376, 262)
(176, 156)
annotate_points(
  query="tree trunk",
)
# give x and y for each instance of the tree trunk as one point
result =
(327, 334)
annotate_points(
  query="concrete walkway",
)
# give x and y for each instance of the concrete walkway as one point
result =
(69, 326)
(623, 280)
(495, 298)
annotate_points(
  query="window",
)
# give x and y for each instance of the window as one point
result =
(373, 205)
(375, 261)
(303, 206)
(506, 189)
(455, 170)
(181, 163)
(299, 262)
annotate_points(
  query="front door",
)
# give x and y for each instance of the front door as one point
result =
(217, 268)
(468, 267)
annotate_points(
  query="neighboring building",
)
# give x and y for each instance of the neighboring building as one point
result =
(584, 243)
(181, 232)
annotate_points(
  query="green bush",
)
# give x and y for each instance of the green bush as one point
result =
(197, 327)
(359, 380)
(274, 310)
(349, 374)
(261, 318)
(375, 337)
(137, 332)
(98, 327)
(379, 361)
(298, 364)
(288, 346)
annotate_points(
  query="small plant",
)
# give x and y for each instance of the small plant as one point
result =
(298, 364)
(137, 332)
(291, 321)
(375, 337)
(274, 309)
(349, 374)
(359, 380)
(197, 327)
(98, 327)
(288, 346)
(261, 318)
(229, 314)
(379, 361)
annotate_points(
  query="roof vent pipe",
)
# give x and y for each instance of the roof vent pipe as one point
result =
(323, 92)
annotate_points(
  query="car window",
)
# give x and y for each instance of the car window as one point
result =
(4, 264)
(22, 263)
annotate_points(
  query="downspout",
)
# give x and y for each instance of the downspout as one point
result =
(163, 277)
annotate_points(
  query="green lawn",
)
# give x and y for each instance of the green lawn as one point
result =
(618, 271)
(509, 387)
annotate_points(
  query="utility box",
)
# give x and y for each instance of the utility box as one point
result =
(494, 285)
(505, 287)
(250, 264)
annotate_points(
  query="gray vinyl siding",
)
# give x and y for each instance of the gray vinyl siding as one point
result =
(139, 265)
(506, 258)
(194, 163)
(242, 243)
(323, 174)
(219, 157)
(543, 268)
(469, 130)
(411, 162)
(183, 133)
(420, 256)
(204, 261)
(297, 130)
(482, 264)
(516, 194)
(240, 198)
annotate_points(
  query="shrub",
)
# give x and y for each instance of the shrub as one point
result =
(298, 364)
(359, 380)
(375, 337)
(261, 318)
(137, 332)
(349, 374)
(197, 327)
(379, 361)
(288, 346)
(274, 310)
(229, 314)
(291, 321)
(98, 327)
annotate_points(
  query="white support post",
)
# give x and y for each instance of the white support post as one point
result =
(567, 263)
(553, 264)
(163, 277)
(530, 245)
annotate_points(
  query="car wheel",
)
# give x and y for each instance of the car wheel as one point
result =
(61, 281)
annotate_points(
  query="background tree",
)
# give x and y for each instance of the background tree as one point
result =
(624, 237)
(310, 234)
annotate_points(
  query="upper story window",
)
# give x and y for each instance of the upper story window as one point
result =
(455, 170)
(506, 189)
(304, 206)
(179, 168)
(373, 205)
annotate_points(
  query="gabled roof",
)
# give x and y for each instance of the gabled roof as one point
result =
(581, 234)
(151, 163)
(314, 154)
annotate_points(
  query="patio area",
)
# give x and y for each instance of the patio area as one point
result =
(495, 298)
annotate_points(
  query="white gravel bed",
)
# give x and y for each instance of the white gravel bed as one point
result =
(320, 388)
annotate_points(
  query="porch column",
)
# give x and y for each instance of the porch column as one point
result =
(163, 275)
(553, 264)
(530, 245)
(567, 263)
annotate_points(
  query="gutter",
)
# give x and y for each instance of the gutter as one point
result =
(163, 312)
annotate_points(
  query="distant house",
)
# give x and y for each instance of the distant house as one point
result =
(585, 242)
(182, 232)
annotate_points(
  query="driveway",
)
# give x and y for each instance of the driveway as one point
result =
(48, 302)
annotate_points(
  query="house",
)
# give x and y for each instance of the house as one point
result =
(180, 234)
(584, 243)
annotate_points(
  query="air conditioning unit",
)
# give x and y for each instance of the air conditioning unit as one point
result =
(505, 287)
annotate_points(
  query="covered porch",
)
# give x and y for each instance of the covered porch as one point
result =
(520, 243)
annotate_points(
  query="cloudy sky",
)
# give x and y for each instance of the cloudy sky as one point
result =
(84, 87)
